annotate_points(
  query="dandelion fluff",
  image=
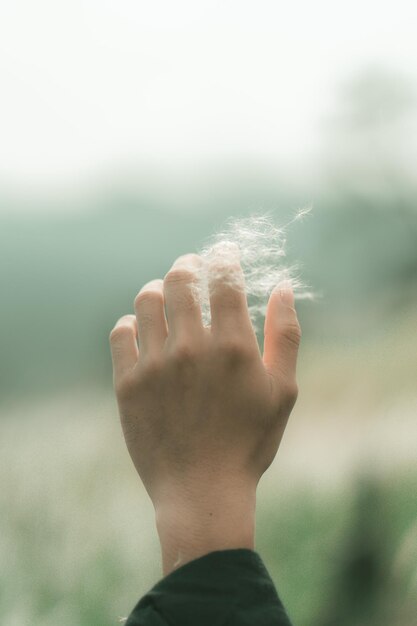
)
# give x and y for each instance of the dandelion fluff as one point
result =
(259, 245)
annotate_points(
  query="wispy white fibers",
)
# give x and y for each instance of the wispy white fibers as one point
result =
(259, 244)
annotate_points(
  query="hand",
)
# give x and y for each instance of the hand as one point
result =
(202, 412)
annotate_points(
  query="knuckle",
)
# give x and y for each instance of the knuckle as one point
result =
(292, 333)
(234, 349)
(186, 300)
(146, 322)
(227, 292)
(290, 392)
(146, 297)
(118, 332)
(178, 275)
(184, 353)
(152, 365)
(124, 386)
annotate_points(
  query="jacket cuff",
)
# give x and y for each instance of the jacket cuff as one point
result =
(230, 587)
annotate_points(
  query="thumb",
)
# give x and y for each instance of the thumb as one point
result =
(282, 334)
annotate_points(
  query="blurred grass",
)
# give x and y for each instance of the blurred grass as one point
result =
(334, 556)
(78, 543)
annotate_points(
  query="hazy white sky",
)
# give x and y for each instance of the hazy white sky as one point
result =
(88, 84)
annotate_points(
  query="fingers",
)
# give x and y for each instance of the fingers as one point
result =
(150, 316)
(181, 301)
(123, 345)
(282, 334)
(178, 295)
(228, 304)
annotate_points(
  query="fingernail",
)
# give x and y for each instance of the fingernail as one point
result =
(286, 292)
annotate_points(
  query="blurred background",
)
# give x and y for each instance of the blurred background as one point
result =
(129, 133)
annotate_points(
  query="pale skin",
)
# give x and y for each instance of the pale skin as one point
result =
(203, 412)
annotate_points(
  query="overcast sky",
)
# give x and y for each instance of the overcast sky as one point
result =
(89, 84)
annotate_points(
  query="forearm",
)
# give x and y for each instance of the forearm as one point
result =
(214, 518)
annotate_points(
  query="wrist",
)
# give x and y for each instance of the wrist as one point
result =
(193, 523)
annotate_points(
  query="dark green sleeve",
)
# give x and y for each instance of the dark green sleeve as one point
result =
(222, 588)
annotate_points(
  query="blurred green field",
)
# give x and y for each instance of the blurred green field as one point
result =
(78, 544)
(336, 521)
